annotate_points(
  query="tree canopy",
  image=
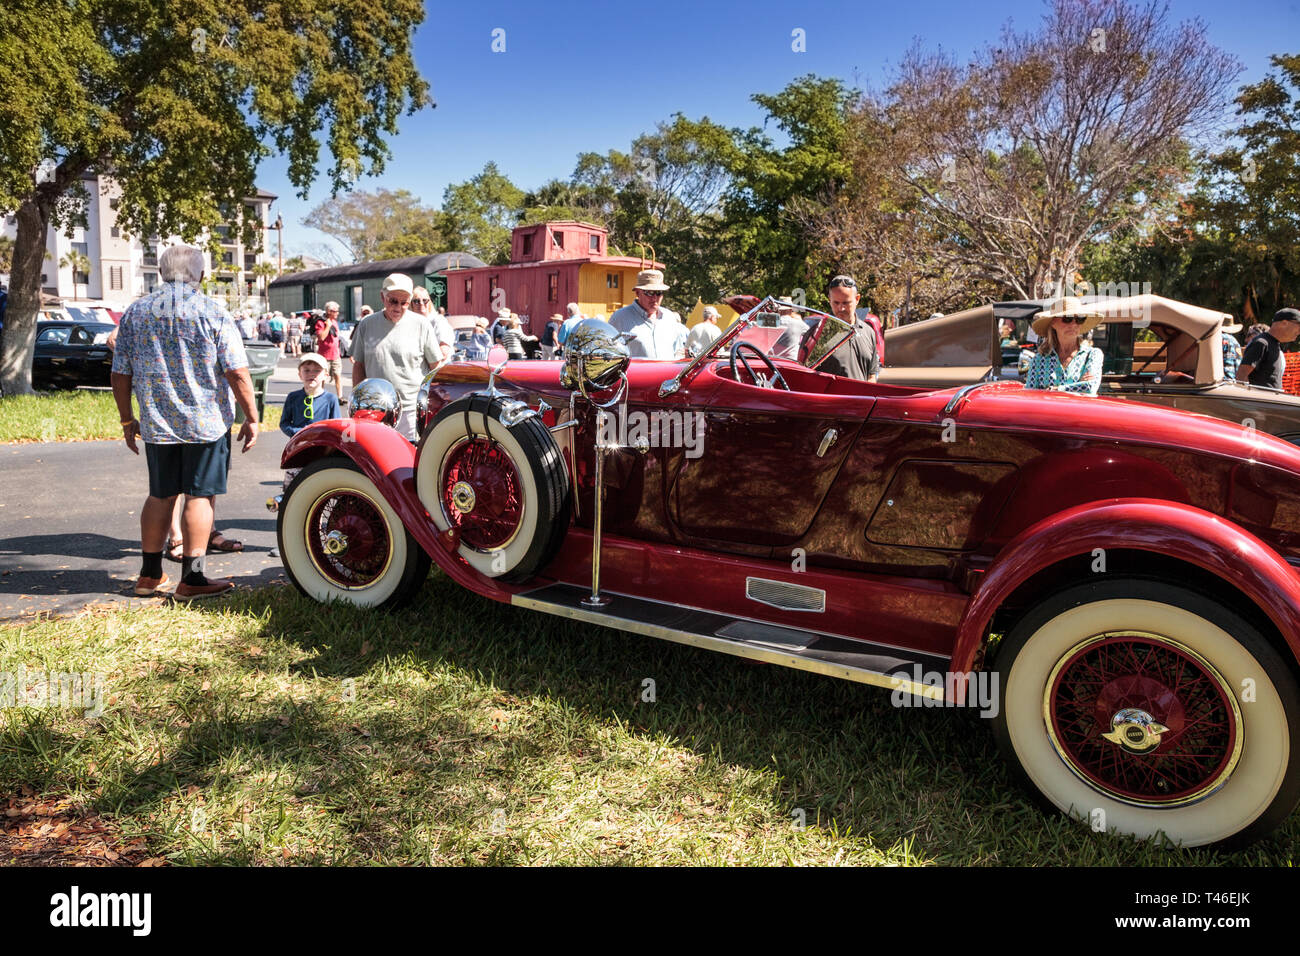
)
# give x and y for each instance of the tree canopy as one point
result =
(180, 103)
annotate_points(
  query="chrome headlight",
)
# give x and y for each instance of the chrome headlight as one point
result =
(376, 400)
(594, 356)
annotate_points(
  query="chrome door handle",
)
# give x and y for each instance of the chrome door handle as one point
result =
(828, 439)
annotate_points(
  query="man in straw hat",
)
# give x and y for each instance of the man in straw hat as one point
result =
(1262, 363)
(1064, 362)
(657, 333)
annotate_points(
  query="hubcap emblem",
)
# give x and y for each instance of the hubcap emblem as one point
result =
(1135, 731)
(335, 543)
(462, 497)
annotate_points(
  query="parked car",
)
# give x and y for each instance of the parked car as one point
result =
(1181, 366)
(69, 354)
(1116, 580)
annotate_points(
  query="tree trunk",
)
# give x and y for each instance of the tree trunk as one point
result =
(19, 342)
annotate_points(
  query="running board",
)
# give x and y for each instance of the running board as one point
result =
(776, 644)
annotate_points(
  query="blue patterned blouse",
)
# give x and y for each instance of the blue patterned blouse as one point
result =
(1081, 375)
(1231, 356)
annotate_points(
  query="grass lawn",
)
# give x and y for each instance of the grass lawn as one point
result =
(80, 415)
(267, 729)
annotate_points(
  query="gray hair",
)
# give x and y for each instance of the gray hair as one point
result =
(331, 305)
(710, 312)
(181, 263)
(572, 308)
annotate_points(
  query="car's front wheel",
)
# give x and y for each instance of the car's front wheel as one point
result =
(340, 540)
(1145, 708)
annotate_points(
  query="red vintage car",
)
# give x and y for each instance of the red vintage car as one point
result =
(1114, 584)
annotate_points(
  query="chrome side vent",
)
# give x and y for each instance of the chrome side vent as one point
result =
(786, 596)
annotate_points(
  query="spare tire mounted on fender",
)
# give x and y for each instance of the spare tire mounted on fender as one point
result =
(505, 489)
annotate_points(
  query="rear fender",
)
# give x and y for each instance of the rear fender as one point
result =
(388, 459)
(1137, 524)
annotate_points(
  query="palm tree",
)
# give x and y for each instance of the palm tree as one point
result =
(78, 262)
(265, 271)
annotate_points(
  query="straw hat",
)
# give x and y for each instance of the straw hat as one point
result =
(650, 280)
(1067, 305)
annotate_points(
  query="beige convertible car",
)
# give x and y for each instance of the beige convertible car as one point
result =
(1181, 368)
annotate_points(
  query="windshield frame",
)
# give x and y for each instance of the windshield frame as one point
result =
(748, 320)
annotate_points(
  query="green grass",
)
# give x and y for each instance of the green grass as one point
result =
(80, 415)
(267, 729)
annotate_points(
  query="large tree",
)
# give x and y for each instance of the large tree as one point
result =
(1056, 137)
(481, 212)
(370, 225)
(180, 103)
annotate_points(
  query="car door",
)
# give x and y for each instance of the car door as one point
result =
(767, 459)
(50, 361)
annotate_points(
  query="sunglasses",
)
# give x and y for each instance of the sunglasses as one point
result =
(1073, 319)
(653, 295)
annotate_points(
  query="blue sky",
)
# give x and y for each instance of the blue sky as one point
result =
(579, 76)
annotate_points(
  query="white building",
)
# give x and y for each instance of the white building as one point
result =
(124, 268)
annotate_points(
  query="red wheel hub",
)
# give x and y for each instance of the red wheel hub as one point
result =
(1143, 718)
(347, 537)
(481, 494)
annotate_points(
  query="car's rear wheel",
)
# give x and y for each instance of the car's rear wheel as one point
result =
(1145, 708)
(340, 540)
(503, 490)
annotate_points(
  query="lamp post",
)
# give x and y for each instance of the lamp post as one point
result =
(279, 243)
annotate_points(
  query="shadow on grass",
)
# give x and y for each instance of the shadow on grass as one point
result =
(840, 752)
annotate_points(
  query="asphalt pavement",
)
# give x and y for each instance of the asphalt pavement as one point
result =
(70, 517)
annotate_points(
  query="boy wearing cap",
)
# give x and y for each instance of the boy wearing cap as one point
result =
(311, 403)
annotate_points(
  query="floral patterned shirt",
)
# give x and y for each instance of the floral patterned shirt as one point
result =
(1081, 375)
(177, 344)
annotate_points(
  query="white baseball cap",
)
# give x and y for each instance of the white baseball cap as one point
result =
(397, 282)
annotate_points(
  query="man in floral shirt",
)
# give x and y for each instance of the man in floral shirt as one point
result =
(180, 353)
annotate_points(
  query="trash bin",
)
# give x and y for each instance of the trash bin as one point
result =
(262, 359)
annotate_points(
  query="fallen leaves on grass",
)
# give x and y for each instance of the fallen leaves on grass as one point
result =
(54, 832)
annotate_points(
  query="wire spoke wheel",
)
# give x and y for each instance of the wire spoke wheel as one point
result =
(482, 494)
(340, 540)
(1144, 718)
(1150, 710)
(348, 539)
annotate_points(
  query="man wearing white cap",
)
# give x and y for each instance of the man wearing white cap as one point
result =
(705, 333)
(657, 333)
(397, 345)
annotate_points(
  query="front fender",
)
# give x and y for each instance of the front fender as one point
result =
(388, 459)
(1137, 524)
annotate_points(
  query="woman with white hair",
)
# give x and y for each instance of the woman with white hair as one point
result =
(1064, 362)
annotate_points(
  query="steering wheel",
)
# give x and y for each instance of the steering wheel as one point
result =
(777, 381)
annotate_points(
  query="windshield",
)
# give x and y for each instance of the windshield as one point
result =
(783, 330)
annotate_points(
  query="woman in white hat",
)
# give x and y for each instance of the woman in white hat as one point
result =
(1064, 362)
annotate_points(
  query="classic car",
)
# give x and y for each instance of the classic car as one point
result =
(1181, 366)
(69, 354)
(1122, 577)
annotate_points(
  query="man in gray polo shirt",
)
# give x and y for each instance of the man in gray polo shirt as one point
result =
(397, 345)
